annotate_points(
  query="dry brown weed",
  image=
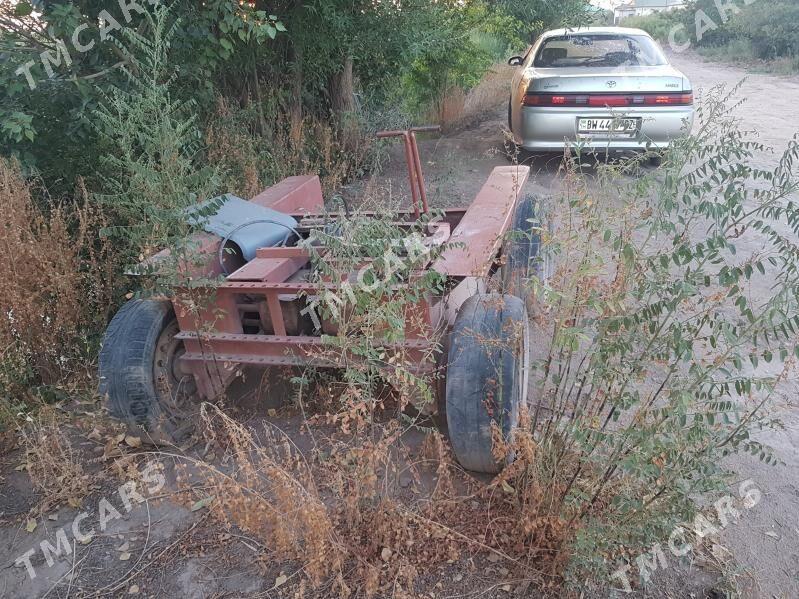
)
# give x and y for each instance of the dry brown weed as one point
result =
(54, 467)
(56, 284)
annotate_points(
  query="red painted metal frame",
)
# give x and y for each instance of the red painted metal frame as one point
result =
(214, 335)
(481, 232)
(293, 195)
(270, 350)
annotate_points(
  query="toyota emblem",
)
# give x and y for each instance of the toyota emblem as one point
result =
(611, 84)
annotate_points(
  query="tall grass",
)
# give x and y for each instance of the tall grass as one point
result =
(742, 52)
(459, 108)
(249, 161)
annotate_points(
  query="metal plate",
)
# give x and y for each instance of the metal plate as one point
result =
(249, 225)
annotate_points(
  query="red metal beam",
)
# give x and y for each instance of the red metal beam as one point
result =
(274, 270)
(299, 195)
(415, 173)
(285, 350)
(282, 252)
(478, 237)
(417, 163)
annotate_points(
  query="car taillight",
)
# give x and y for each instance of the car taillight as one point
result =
(672, 99)
(613, 100)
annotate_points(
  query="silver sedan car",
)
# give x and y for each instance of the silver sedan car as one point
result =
(600, 88)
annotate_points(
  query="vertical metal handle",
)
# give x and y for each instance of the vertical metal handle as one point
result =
(415, 173)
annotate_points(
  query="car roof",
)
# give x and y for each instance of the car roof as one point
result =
(594, 30)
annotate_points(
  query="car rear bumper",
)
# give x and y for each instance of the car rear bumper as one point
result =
(555, 128)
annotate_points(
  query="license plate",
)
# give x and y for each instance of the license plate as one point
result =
(589, 125)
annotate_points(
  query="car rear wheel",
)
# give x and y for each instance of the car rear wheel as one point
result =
(141, 376)
(512, 149)
(487, 379)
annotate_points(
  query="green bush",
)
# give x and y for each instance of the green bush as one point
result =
(658, 25)
(152, 169)
(471, 39)
(738, 49)
(539, 15)
(705, 25)
(774, 32)
(661, 359)
(751, 33)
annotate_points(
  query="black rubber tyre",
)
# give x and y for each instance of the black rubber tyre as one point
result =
(514, 152)
(139, 372)
(524, 257)
(487, 377)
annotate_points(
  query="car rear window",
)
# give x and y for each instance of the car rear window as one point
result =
(596, 50)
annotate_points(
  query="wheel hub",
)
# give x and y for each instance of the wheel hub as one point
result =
(174, 385)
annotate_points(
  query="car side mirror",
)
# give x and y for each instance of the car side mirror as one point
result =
(515, 61)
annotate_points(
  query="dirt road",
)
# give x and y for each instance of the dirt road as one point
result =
(166, 550)
(765, 545)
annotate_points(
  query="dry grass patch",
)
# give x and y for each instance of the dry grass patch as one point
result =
(458, 108)
(251, 158)
(54, 289)
(54, 467)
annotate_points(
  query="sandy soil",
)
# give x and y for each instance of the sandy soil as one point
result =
(174, 552)
(765, 544)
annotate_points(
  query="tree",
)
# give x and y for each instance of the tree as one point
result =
(540, 15)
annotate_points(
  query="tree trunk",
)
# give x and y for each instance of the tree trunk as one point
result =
(342, 98)
(342, 104)
(264, 130)
(295, 108)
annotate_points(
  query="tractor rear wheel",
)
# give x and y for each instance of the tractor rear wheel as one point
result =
(487, 378)
(525, 256)
(140, 373)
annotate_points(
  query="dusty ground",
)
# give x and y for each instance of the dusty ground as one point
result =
(165, 549)
(765, 545)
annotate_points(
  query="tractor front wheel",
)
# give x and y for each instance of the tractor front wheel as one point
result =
(140, 372)
(487, 378)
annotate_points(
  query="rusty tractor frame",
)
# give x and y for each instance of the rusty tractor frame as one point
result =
(253, 317)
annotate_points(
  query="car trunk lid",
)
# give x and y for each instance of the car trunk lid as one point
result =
(602, 80)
